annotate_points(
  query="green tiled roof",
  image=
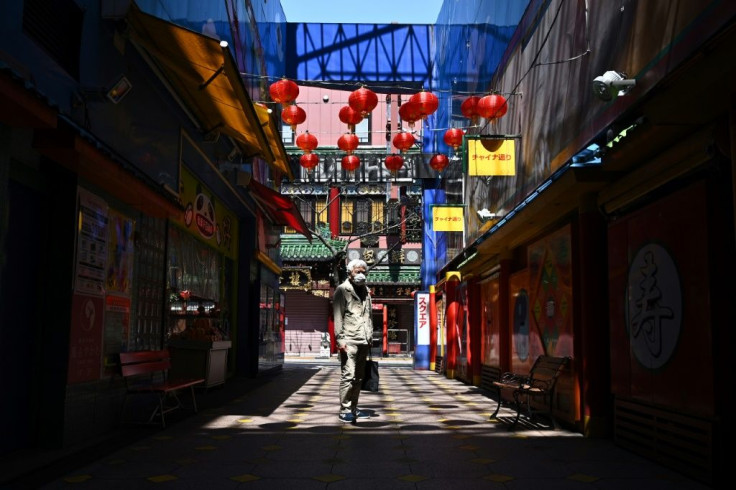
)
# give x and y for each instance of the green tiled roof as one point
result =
(298, 248)
(399, 276)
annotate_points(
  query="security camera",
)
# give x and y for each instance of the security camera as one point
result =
(325, 98)
(485, 215)
(612, 84)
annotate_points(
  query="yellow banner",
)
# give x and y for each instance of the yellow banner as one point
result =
(488, 156)
(448, 218)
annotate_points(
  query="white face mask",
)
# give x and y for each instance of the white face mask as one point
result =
(359, 278)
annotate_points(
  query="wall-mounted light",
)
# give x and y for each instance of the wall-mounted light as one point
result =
(121, 88)
(612, 84)
(485, 215)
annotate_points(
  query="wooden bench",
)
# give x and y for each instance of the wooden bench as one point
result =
(147, 372)
(538, 384)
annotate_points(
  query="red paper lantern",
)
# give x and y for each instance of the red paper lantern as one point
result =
(439, 162)
(492, 106)
(454, 137)
(309, 160)
(409, 112)
(307, 142)
(350, 162)
(284, 91)
(469, 108)
(363, 101)
(394, 162)
(350, 117)
(348, 142)
(293, 115)
(403, 141)
(427, 103)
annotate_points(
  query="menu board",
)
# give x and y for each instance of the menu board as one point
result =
(91, 245)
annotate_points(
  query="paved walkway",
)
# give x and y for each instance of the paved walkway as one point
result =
(425, 432)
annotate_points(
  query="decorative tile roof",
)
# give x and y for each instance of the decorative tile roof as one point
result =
(405, 275)
(297, 248)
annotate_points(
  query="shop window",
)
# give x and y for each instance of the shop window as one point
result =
(362, 215)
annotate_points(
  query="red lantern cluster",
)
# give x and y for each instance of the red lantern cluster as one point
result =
(350, 116)
(293, 115)
(454, 138)
(439, 162)
(284, 91)
(492, 106)
(350, 163)
(394, 162)
(363, 101)
(307, 142)
(403, 141)
(309, 160)
(348, 142)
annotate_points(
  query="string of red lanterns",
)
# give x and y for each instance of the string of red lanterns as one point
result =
(362, 101)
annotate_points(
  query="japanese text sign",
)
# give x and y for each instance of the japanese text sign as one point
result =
(488, 156)
(448, 218)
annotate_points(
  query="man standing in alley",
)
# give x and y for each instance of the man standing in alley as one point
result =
(354, 336)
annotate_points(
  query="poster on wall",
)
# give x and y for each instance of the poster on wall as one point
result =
(85, 339)
(490, 347)
(91, 258)
(551, 294)
(120, 254)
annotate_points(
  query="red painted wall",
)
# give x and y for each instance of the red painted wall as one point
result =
(659, 304)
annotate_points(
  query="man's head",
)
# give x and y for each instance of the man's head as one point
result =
(356, 271)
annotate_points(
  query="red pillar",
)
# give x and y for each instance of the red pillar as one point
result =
(331, 331)
(504, 315)
(333, 212)
(432, 328)
(451, 283)
(385, 330)
(475, 306)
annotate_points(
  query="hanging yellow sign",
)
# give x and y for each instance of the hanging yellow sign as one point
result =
(491, 156)
(448, 218)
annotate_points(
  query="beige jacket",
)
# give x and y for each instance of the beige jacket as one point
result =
(353, 317)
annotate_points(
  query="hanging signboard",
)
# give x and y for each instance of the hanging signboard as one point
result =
(490, 156)
(448, 218)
